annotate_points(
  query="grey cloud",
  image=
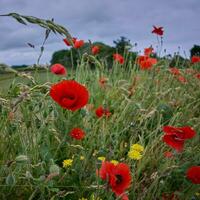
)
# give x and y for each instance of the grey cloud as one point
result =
(103, 20)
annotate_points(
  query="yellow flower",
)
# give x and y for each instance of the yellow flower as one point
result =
(197, 193)
(83, 198)
(115, 162)
(137, 147)
(101, 158)
(82, 158)
(132, 154)
(67, 163)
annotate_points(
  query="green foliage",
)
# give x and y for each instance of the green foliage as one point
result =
(122, 44)
(35, 130)
(70, 58)
(195, 51)
(35, 135)
(179, 62)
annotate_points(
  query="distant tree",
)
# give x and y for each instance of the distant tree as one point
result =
(19, 66)
(179, 62)
(195, 51)
(122, 44)
(69, 57)
(65, 57)
(3, 68)
(72, 57)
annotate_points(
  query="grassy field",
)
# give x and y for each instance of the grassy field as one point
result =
(7, 79)
(35, 136)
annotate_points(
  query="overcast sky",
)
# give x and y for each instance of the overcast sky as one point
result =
(98, 20)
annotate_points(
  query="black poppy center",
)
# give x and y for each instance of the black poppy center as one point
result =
(71, 97)
(119, 178)
(178, 138)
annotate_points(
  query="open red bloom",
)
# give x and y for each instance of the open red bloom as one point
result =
(148, 51)
(58, 69)
(105, 170)
(77, 133)
(193, 174)
(124, 197)
(158, 30)
(146, 62)
(119, 58)
(100, 112)
(66, 41)
(175, 71)
(95, 50)
(176, 136)
(69, 94)
(78, 44)
(195, 59)
(118, 176)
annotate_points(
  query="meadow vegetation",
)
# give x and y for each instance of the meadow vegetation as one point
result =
(123, 120)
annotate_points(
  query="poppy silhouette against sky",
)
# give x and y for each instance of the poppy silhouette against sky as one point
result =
(98, 20)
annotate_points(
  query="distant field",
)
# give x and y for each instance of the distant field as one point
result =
(7, 79)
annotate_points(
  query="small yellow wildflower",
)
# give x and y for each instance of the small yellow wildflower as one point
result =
(101, 158)
(137, 147)
(67, 163)
(82, 158)
(83, 198)
(197, 193)
(134, 155)
(115, 162)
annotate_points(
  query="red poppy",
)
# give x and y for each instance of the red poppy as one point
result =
(77, 133)
(120, 179)
(78, 44)
(105, 170)
(95, 50)
(193, 174)
(66, 41)
(141, 59)
(158, 30)
(69, 94)
(118, 176)
(175, 71)
(195, 59)
(198, 75)
(176, 136)
(148, 51)
(168, 154)
(182, 79)
(100, 112)
(124, 197)
(119, 58)
(146, 63)
(58, 69)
